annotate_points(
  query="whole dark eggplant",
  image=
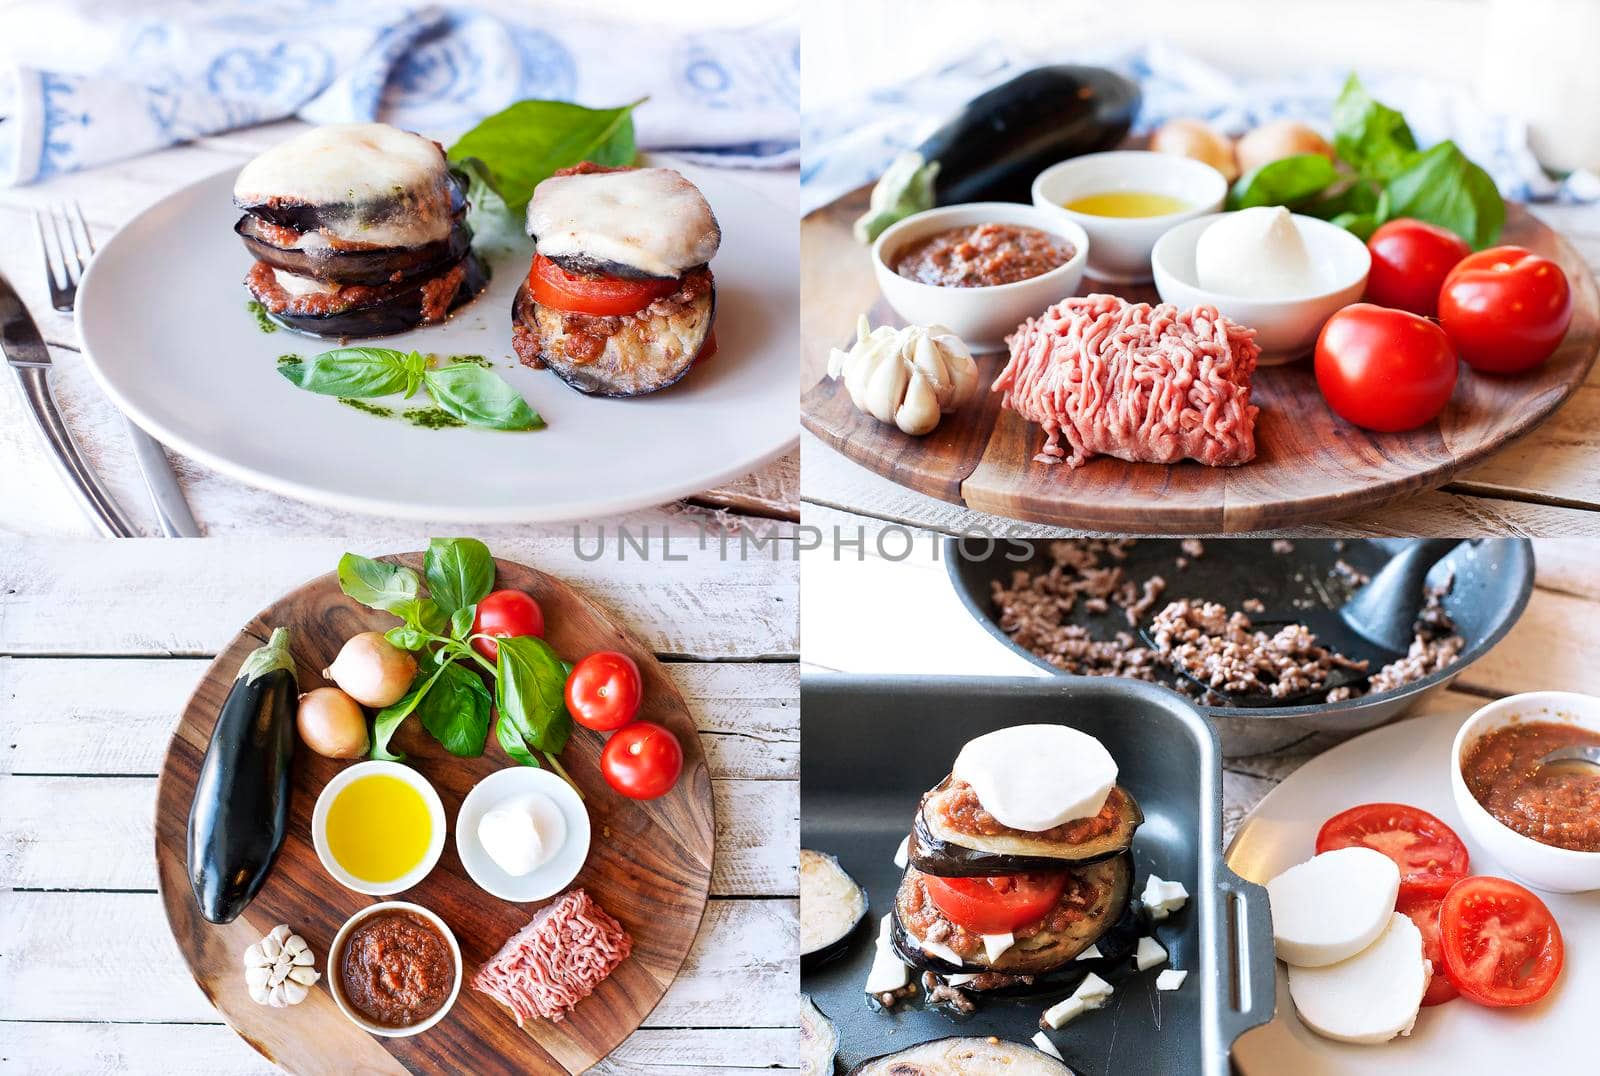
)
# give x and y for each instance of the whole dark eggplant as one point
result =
(240, 812)
(995, 146)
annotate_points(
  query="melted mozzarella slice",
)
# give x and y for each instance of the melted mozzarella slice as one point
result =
(995, 945)
(297, 285)
(652, 221)
(1332, 906)
(1373, 996)
(370, 182)
(1036, 777)
(887, 973)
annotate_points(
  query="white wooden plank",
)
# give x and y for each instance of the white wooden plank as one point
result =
(72, 956)
(97, 833)
(78, 1049)
(748, 714)
(186, 598)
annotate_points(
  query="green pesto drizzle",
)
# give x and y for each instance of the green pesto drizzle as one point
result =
(264, 323)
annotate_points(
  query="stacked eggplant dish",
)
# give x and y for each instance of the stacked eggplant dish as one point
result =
(357, 230)
(619, 299)
(1017, 881)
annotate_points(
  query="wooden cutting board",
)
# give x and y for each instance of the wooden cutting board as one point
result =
(649, 863)
(1309, 465)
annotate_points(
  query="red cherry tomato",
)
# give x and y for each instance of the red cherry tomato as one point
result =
(1423, 908)
(1506, 308)
(997, 904)
(1383, 369)
(1502, 946)
(1410, 259)
(642, 760)
(1429, 854)
(602, 296)
(603, 691)
(505, 614)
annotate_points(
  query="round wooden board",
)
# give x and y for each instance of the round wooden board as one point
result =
(649, 864)
(1309, 465)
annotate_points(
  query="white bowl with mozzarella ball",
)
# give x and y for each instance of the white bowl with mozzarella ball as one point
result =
(1287, 326)
(1121, 246)
(1542, 866)
(983, 316)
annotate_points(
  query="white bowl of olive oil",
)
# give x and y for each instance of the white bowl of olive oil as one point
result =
(378, 828)
(1125, 200)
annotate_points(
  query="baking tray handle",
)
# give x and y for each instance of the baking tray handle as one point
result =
(1249, 987)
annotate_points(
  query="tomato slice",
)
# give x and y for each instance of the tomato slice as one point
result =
(1428, 852)
(996, 904)
(601, 296)
(1424, 911)
(1502, 946)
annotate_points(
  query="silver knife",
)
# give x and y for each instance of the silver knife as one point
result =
(24, 350)
(166, 496)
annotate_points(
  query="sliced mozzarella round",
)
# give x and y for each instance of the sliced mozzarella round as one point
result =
(1332, 906)
(1036, 777)
(1373, 996)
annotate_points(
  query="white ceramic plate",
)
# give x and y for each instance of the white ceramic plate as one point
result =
(162, 317)
(548, 878)
(1408, 762)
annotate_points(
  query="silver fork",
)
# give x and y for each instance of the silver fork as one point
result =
(67, 250)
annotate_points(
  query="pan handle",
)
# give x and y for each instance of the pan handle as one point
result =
(1249, 987)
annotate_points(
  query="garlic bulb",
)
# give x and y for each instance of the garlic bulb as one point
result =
(909, 376)
(278, 969)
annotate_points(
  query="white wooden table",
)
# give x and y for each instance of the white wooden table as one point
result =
(33, 500)
(100, 644)
(867, 613)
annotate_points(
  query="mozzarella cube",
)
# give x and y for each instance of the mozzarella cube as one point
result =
(902, 855)
(995, 945)
(1162, 898)
(1149, 954)
(1045, 1046)
(1171, 979)
(1091, 953)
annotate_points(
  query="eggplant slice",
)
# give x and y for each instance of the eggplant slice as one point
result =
(642, 356)
(971, 1056)
(1045, 953)
(832, 906)
(396, 311)
(819, 1040)
(399, 205)
(374, 267)
(938, 848)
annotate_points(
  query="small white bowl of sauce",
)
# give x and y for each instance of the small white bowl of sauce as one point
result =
(1125, 200)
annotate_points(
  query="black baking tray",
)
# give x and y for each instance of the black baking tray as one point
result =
(870, 746)
(1494, 578)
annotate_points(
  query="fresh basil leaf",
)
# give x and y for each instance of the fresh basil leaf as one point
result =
(356, 371)
(1287, 182)
(461, 621)
(523, 145)
(1442, 187)
(423, 614)
(511, 743)
(388, 720)
(378, 584)
(530, 685)
(1358, 196)
(1370, 137)
(459, 571)
(456, 711)
(1360, 225)
(480, 397)
(406, 637)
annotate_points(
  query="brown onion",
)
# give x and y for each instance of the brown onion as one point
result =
(331, 723)
(372, 670)
(1198, 140)
(1277, 139)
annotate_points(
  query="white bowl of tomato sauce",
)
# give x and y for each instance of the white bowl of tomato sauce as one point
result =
(1541, 823)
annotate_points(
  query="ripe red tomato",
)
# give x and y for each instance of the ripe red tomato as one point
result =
(603, 296)
(505, 614)
(603, 691)
(997, 904)
(1429, 854)
(642, 760)
(1423, 909)
(1506, 309)
(1410, 259)
(1385, 370)
(1502, 946)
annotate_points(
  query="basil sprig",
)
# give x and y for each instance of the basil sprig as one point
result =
(465, 390)
(449, 695)
(1386, 177)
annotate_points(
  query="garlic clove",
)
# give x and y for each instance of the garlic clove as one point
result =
(304, 958)
(271, 947)
(254, 957)
(278, 999)
(256, 978)
(261, 995)
(293, 992)
(294, 944)
(304, 976)
(280, 933)
(278, 975)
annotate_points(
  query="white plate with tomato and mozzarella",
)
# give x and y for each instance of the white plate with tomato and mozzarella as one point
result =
(1390, 790)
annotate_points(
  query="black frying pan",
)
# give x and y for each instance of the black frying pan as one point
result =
(1494, 577)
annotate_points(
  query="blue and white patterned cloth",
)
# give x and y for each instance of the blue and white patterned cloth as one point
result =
(847, 147)
(103, 82)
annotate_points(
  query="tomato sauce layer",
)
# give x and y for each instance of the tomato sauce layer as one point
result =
(961, 810)
(981, 256)
(1557, 805)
